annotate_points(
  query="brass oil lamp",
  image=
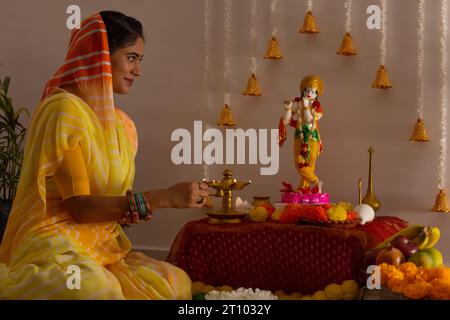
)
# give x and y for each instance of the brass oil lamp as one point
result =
(224, 189)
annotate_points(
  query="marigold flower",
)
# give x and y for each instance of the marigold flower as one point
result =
(397, 284)
(442, 273)
(409, 269)
(439, 290)
(386, 271)
(416, 290)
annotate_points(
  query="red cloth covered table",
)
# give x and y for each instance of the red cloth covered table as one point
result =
(273, 256)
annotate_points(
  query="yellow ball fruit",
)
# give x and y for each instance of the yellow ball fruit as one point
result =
(337, 213)
(258, 214)
(279, 293)
(350, 289)
(296, 296)
(319, 295)
(276, 215)
(334, 292)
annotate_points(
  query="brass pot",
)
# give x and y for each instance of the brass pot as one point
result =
(260, 201)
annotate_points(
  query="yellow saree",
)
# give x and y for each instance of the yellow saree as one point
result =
(42, 245)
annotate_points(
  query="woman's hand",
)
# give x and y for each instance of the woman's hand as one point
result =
(181, 195)
(132, 218)
(188, 195)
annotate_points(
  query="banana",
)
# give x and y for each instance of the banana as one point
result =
(433, 238)
(410, 232)
(421, 241)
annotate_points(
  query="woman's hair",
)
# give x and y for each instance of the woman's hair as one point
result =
(122, 30)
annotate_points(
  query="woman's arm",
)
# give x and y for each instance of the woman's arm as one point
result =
(97, 209)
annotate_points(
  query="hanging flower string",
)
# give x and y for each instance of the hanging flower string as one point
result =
(382, 79)
(383, 33)
(348, 16)
(419, 133)
(420, 54)
(441, 203)
(273, 49)
(309, 24)
(252, 83)
(226, 118)
(273, 15)
(206, 75)
(347, 48)
(226, 49)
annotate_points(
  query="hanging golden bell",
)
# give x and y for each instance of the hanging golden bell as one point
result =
(252, 86)
(441, 203)
(226, 118)
(273, 50)
(419, 134)
(382, 79)
(309, 24)
(347, 46)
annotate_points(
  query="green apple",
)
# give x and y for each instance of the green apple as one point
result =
(436, 256)
(422, 259)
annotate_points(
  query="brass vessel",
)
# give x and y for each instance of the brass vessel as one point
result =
(360, 191)
(370, 198)
(224, 189)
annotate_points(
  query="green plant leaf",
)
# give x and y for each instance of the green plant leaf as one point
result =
(12, 137)
(5, 84)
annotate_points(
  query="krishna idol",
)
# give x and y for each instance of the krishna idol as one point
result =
(303, 114)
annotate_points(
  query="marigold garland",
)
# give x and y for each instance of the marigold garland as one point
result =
(417, 282)
(294, 213)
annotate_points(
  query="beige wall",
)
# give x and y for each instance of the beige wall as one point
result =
(169, 95)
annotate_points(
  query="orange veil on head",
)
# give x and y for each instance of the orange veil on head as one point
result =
(87, 71)
(86, 75)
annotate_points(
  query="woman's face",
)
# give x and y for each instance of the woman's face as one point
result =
(126, 66)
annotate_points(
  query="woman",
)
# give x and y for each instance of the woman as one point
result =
(78, 166)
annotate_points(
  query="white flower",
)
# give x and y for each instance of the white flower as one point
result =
(243, 206)
(241, 294)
